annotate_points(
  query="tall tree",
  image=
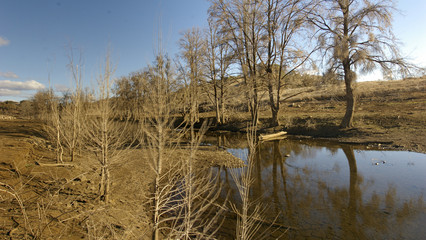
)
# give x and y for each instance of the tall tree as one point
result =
(285, 45)
(243, 20)
(218, 61)
(161, 138)
(270, 42)
(191, 68)
(356, 36)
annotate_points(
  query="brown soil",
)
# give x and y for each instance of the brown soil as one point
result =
(40, 199)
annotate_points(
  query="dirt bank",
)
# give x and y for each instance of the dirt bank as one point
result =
(391, 113)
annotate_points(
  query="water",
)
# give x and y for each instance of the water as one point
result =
(325, 190)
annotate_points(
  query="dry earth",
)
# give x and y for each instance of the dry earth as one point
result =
(42, 200)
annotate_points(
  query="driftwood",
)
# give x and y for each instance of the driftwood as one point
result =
(273, 136)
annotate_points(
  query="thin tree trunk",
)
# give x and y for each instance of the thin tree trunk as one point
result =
(107, 185)
(272, 104)
(217, 105)
(156, 200)
(347, 121)
(222, 103)
(102, 184)
(72, 154)
(59, 148)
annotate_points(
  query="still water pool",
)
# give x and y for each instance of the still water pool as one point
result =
(326, 190)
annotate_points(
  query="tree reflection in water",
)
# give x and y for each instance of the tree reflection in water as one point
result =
(324, 202)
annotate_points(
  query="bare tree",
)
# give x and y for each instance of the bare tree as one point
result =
(73, 107)
(356, 36)
(270, 40)
(161, 139)
(243, 20)
(46, 107)
(218, 61)
(182, 195)
(191, 69)
(55, 127)
(105, 136)
(285, 46)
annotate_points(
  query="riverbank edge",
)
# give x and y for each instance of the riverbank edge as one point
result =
(362, 137)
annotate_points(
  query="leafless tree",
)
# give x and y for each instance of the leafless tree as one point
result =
(105, 135)
(73, 107)
(285, 45)
(191, 68)
(218, 61)
(271, 41)
(182, 195)
(161, 139)
(243, 20)
(46, 107)
(356, 36)
(55, 127)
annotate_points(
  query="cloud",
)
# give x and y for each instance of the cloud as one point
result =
(17, 85)
(4, 41)
(8, 75)
(8, 92)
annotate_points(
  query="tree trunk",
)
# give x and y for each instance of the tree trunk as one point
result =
(72, 154)
(274, 110)
(102, 184)
(59, 148)
(274, 120)
(156, 215)
(217, 105)
(222, 103)
(347, 121)
(107, 185)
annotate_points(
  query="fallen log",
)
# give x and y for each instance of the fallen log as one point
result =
(273, 136)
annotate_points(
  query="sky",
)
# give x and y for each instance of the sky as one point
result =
(36, 37)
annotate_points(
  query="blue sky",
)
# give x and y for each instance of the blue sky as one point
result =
(35, 36)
